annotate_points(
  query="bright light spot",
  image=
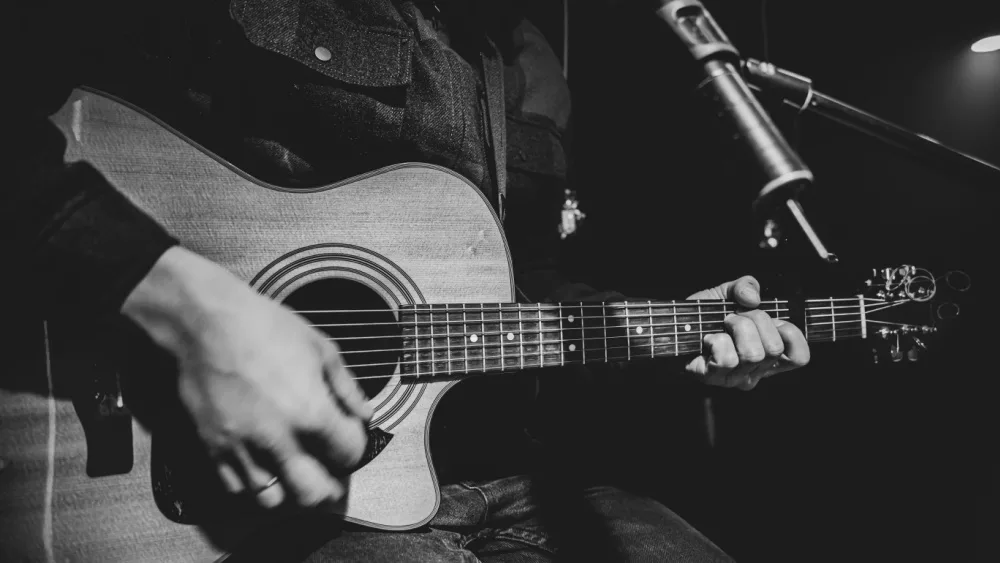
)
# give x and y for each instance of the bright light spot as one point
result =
(772, 242)
(987, 44)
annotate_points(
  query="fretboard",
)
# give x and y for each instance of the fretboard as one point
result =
(448, 340)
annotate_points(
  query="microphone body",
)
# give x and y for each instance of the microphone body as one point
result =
(782, 174)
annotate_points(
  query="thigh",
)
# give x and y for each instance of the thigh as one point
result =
(617, 526)
(424, 545)
(330, 540)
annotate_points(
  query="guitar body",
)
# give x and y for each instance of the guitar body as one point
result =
(409, 234)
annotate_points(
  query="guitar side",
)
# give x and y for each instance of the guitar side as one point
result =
(410, 233)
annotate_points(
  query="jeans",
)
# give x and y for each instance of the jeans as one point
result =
(518, 520)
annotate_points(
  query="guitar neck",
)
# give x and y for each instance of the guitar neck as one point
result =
(457, 339)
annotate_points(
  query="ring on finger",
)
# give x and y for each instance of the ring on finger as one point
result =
(268, 485)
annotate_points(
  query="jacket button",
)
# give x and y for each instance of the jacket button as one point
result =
(323, 54)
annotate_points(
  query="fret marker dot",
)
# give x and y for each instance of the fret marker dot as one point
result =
(473, 338)
(687, 328)
(638, 330)
(570, 319)
(510, 336)
(572, 347)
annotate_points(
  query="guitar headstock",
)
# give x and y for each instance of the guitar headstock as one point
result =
(905, 305)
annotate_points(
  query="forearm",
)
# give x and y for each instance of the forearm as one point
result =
(79, 245)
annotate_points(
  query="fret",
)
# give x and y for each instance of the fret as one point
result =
(506, 317)
(425, 330)
(447, 336)
(541, 339)
(864, 320)
(604, 323)
(652, 342)
(583, 333)
(482, 324)
(430, 331)
(456, 314)
(503, 359)
(833, 320)
(530, 347)
(465, 336)
(520, 336)
(455, 340)
(628, 336)
(701, 325)
(677, 342)
(573, 336)
(409, 343)
(562, 336)
(416, 343)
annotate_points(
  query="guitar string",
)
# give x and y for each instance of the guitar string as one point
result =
(811, 319)
(500, 334)
(499, 337)
(845, 332)
(459, 307)
(492, 364)
(820, 312)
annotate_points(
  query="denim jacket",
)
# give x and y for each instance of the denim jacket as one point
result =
(294, 92)
(297, 93)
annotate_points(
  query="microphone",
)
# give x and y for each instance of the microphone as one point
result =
(781, 173)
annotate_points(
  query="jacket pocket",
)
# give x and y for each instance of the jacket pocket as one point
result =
(367, 45)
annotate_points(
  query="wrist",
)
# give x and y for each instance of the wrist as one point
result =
(174, 301)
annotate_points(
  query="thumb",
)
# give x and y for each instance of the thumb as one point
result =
(745, 292)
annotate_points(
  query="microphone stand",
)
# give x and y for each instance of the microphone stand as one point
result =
(797, 91)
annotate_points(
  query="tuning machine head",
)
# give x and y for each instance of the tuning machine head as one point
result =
(904, 282)
(900, 343)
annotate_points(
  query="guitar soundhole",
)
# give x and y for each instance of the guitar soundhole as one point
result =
(359, 321)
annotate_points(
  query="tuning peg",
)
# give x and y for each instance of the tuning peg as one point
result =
(913, 354)
(876, 357)
(896, 351)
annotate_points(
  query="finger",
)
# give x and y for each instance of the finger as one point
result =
(796, 353)
(341, 380)
(256, 479)
(336, 438)
(718, 359)
(748, 346)
(745, 292)
(230, 478)
(308, 483)
(767, 332)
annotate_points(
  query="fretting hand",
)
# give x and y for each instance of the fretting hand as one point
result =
(753, 346)
(278, 410)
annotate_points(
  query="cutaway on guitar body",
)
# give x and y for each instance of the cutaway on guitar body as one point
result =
(351, 253)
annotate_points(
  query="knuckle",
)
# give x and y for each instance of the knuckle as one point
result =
(738, 321)
(752, 355)
(316, 413)
(728, 359)
(773, 349)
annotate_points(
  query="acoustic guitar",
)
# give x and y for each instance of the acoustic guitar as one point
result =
(406, 267)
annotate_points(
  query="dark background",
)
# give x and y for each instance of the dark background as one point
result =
(844, 460)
